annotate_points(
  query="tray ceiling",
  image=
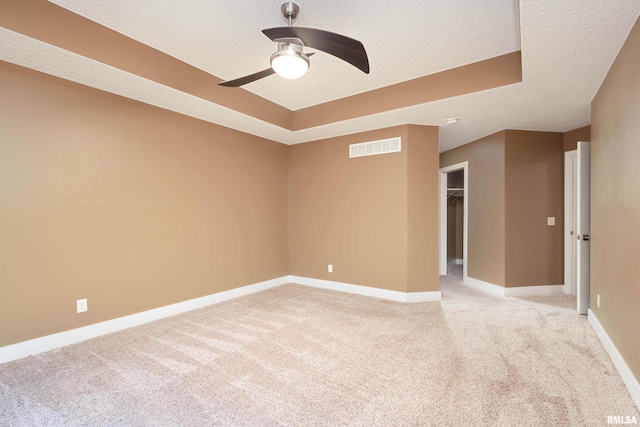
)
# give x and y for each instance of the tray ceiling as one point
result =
(566, 49)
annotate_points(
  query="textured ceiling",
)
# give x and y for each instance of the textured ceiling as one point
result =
(567, 48)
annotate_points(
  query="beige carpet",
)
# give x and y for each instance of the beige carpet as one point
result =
(295, 355)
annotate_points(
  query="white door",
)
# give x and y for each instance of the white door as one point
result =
(583, 222)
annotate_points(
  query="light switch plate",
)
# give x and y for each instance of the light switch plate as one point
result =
(81, 305)
(551, 220)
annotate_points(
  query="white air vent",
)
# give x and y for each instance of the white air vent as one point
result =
(384, 146)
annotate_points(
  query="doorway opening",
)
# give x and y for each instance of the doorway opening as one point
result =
(570, 158)
(577, 225)
(454, 208)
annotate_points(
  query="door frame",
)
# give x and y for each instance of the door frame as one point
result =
(443, 218)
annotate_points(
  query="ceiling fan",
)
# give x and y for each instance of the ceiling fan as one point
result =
(290, 61)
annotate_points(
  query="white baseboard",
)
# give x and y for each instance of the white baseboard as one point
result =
(528, 291)
(433, 296)
(484, 286)
(62, 339)
(627, 376)
(520, 291)
(459, 261)
(409, 297)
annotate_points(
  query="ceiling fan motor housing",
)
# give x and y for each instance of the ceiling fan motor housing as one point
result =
(290, 11)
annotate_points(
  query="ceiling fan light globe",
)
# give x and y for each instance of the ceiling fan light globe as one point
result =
(289, 64)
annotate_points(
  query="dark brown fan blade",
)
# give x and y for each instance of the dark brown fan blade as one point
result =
(251, 77)
(345, 48)
(248, 79)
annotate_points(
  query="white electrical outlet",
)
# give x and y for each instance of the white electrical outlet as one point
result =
(81, 305)
(330, 268)
(551, 220)
(598, 301)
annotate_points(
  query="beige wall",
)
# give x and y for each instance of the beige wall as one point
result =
(515, 182)
(351, 213)
(135, 207)
(422, 209)
(486, 194)
(615, 202)
(571, 138)
(355, 213)
(128, 205)
(534, 190)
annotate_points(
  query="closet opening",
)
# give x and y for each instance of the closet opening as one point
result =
(454, 202)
